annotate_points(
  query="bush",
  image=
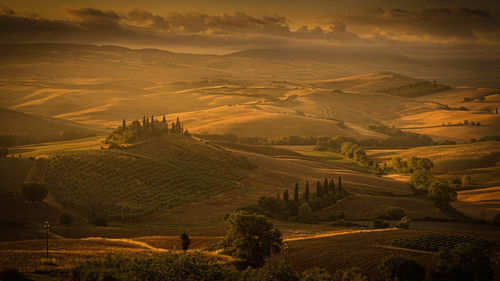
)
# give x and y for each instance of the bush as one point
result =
(65, 219)
(280, 272)
(380, 224)
(305, 213)
(463, 262)
(3, 151)
(316, 274)
(404, 223)
(394, 214)
(351, 274)
(466, 181)
(12, 274)
(396, 268)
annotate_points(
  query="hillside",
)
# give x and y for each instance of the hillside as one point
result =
(18, 128)
(266, 92)
(132, 182)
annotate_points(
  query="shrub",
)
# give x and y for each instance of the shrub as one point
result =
(316, 274)
(396, 267)
(12, 274)
(65, 219)
(466, 181)
(394, 214)
(463, 262)
(305, 213)
(351, 274)
(404, 223)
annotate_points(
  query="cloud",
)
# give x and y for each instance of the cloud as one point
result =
(440, 25)
(239, 30)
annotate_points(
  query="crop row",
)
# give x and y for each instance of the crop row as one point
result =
(435, 241)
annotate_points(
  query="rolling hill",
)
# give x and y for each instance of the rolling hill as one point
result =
(18, 128)
(129, 183)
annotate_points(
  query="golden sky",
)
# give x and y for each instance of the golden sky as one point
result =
(228, 25)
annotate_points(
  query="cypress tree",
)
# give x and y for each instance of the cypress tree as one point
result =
(144, 122)
(340, 184)
(285, 195)
(296, 193)
(124, 124)
(164, 121)
(173, 128)
(152, 123)
(147, 123)
(325, 187)
(319, 192)
(306, 193)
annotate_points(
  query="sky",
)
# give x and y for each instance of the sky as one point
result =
(224, 26)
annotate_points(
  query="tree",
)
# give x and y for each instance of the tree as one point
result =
(33, 192)
(185, 241)
(441, 193)
(251, 238)
(421, 179)
(464, 262)
(65, 219)
(466, 181)
(285, 195)
(305, 212)
(325, 186)
(339, 185)
(319, 191)
(306, 193)
(404, 222)
(124, 124)
(331, 186)
(398, 268)
(296, 193)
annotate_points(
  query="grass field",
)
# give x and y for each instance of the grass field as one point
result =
(370, 207)
(48, 148)
(481, 203)
(480, 160)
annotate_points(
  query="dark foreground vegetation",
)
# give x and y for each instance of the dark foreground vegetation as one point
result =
(250, 239)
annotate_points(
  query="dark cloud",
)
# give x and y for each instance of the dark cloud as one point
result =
(240, 30)
(439, 25)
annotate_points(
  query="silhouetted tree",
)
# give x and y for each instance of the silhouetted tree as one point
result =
(296, 193)
(285, 195)
(251, 238)
(319, 192)
(124, 124)
(185, 241)
(306, 193)
(339, 186)
(325, 186)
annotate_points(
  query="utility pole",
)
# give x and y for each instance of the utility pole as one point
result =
(46, 227)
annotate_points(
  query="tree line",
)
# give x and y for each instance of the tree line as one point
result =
(137, 131)
(300, 205)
